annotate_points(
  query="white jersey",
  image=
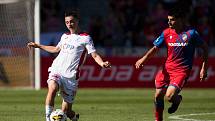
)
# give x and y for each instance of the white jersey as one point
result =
(72, 54)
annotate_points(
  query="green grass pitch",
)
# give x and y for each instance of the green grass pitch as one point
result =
(108, 105)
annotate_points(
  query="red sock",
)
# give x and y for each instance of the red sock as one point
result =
(159, 107)
(158, 114)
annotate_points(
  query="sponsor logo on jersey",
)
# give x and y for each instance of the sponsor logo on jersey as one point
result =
(67, 46)
(177, 44)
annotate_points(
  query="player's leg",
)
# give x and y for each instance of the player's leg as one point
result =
(67, 107)
(159, 103)
(161, 83)
(68, 93)
(177, 81)
(172, 95)
(52, 90)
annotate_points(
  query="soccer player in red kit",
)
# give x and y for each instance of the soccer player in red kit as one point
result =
(181, 42)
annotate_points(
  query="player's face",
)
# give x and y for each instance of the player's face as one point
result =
(71, 22)
(171, 21)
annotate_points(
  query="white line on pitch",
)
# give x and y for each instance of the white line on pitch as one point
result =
(181, 117)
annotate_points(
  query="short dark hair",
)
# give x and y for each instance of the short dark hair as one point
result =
(176, 12)
(72, 12)
(180, 9)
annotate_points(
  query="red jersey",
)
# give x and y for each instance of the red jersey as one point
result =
(180, 48)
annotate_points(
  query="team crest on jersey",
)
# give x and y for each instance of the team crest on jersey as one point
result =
(184, 37)
(170, 37)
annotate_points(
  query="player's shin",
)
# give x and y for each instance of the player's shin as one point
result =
(159, 107)
(49, 110)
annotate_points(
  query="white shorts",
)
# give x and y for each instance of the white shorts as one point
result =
(67, 86)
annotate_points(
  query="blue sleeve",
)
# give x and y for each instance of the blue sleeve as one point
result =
(159, 41)
(197, 39)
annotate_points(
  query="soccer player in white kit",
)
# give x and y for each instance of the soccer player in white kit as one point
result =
(64, 71)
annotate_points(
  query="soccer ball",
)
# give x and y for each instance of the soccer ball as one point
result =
(58, 115)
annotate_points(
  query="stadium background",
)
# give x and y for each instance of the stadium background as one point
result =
(122, 31)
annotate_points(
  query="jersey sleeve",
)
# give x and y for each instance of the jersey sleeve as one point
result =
(60, 42)
(159, 41)
(197, 39)
(89, 45)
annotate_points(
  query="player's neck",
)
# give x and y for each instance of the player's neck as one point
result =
(74, 31)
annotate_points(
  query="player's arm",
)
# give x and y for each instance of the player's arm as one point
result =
(99, 60)
(203, 72)
(149, 54)
(51, 49)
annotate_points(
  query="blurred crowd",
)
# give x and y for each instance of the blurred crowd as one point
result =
(130, 23)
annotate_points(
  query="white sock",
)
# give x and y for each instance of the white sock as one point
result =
(49, 110)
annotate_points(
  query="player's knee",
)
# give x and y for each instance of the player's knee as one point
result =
(53, 86)
(169, 98)
(52, 91)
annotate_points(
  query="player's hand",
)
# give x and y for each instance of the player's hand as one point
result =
(139, 64)
(32, 44)
(106, 64)
(203, 75)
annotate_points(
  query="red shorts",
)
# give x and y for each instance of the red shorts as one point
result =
(165, 79)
